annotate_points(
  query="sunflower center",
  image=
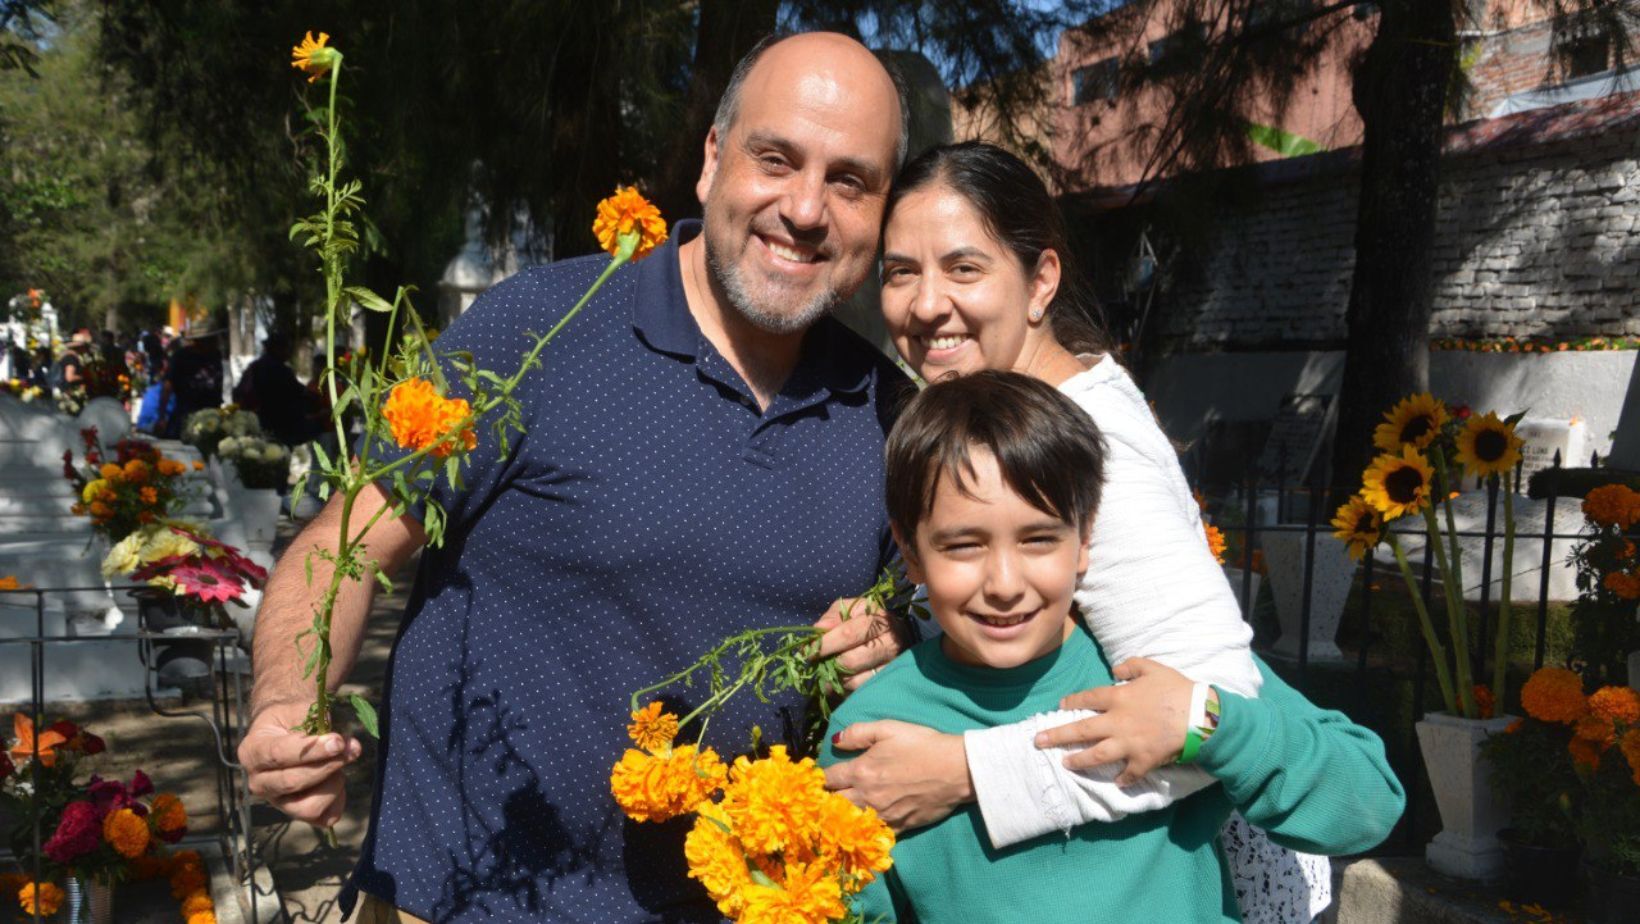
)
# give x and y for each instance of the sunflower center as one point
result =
(1365, 524)
(1490, 445)
(1402, 485)
(1415, 429)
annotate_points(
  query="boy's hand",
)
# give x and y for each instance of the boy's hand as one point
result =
(1141, 721)
(863, 642)
(912, 776)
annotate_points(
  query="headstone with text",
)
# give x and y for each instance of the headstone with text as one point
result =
(1542, 437)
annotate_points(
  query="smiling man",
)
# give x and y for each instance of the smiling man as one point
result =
(703, 454)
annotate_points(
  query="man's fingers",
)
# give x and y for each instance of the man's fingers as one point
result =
(322, 805)
(1084, 731)
(273, 784)
(278, 751)
(1107, 751)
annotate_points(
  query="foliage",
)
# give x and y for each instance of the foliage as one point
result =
(1533, 770)
(1607, 613)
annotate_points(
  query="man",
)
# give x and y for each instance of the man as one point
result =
(703, 454)
(194, 378)
(69, 370)
(283, 405)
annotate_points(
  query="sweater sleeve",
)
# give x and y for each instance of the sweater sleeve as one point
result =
(1025, 792)
(1314, 780)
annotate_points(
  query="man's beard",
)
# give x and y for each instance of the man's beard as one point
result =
(765, 317)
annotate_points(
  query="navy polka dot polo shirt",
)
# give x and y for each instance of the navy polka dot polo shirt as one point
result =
(648, 511)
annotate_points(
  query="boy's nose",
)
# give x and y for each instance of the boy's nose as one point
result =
(1003, 581)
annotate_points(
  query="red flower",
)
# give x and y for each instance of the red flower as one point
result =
(93, 457)
(141, 785)
(89, 436)
(207, 582)
(1462, 412)
(6, 766)
(91, 744)
(65, 728)
(78, 833)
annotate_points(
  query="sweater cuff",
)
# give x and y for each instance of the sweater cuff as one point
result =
(1240, 748)
(1014, 784)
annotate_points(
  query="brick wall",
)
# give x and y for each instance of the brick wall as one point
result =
(1541, 240)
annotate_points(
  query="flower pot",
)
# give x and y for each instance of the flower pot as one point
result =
(1545, 876)
(257, 509)
(1612, 898)
(1330, 580)
(1471, 813)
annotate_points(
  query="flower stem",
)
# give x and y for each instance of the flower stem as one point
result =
(1457, 624)
(1436, 651)
(1500, 656)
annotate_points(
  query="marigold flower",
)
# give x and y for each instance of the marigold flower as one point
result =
(659, 787)
(1612, 505)
(625, 214)
(171, 468)
(185, 880)
(420, 417)
(1514, 726)
(169, 818)
(110, 471)
(716, 860)
(1553, 694)
(652, 729)
(808, 894)
(1488, 446)
(203, 917)
(1215, 541)
(197, 902)
(1397, 485)
(136, 471)
(1416, 420)
(313, 56)
(198, 465)
(1585, 753)
(1629, 744)
(9, 582)
(40, 898)
(774, 803)
(1595, 729)
(149, 495)
(126, 832)
(100, 510)
(1616, 704)
(854, 841)
(1484, 701)
(1624, 585)
(1358, 524)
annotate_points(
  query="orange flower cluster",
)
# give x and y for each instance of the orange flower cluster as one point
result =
(126, 832)
(779, 847)
(1215, 541)
(420, 417)
(1615, 505)
(1610, 715)
(1553, 694)
(1512, 345)
(167, 815)
(186, 872)
(661, 782)
(121, 496)
(40, 898)
(627, 213)
(1485, 702)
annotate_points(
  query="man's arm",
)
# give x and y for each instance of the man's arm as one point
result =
(301, 774)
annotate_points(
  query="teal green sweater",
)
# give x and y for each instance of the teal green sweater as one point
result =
(1311, 778)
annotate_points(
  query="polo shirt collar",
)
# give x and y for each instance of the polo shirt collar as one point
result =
(660, 315)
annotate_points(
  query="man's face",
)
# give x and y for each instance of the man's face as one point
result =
(793, 192)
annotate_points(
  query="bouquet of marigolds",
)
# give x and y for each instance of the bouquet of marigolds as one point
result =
(260, 464)
(135, 486)
(1414, 478)
(204, 429)
(203, 573)
(419, 409)
(1605, 625)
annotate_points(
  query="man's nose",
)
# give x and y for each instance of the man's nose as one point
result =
(804, 205)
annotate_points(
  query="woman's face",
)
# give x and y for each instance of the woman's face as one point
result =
(955, 299)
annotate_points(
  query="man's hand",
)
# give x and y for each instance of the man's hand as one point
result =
(863, 642)
(912, 776)
(1142, 721)
(301, 775)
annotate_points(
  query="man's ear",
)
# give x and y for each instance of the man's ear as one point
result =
(708, 167)
(908, 554)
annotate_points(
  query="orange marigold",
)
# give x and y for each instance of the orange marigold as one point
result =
(40, 898)
(420, 417)
(774, 803)
(1584, 753)
(652, 729)
(202, 917)
(854, 841)
(171, 468)
(1630, 746)
(1616, 704)
(626, 213)
(659, 787)
(198, 466)
(1553, 694)
(1623, 584)
(1484, 700)
(126, 832)
(136, 470)
(186, 880)
(1215, 541)
(149, 495)
(1597, 730)
(715, 858)
(808, 894)
(1612, 505)
(197, 902)
(167, 813)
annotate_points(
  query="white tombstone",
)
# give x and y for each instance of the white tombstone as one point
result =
(1330, 580)
(1542, 437)
(110, 417)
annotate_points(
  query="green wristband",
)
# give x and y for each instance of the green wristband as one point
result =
(1204, 720)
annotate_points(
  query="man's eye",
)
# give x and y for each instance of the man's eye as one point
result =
(894, 273)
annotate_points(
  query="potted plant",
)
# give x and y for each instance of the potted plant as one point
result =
(1533, 771)
(1606, 632)
(1412, 479)
(123, 490)
(259, 470)
(204, 429)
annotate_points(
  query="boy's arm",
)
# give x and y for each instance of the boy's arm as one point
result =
(1311, 778)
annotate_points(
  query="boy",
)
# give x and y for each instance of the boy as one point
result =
(993, 481)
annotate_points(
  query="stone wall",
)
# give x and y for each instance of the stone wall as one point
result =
(1536, 239)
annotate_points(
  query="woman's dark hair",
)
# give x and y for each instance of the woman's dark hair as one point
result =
(1048, 450)
(1017, 208)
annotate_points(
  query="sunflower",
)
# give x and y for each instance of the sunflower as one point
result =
(625, 215)
(313, 56)
(1359, 524)
(1416, 420)
(1488, 446)
(1396, 485)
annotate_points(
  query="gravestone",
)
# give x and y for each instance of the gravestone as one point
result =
(1542, 437)
(1301, 425)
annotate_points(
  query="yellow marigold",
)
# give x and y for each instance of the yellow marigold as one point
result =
(1612, 505)
(110, 471)
(197, 902)
(1488, 446)
(1630, 746)
(1615, 704)
(419, 417)
(659, 787)
(716, 860)
(854, 841)
(652, 729)
(1398, 484)
(1215, 541)
(313, 57)
(1358, 524)
(1585, 753)
(1625, 585)
(625, 214)
(40, 898)
(1414, 421)
(92, 490)
(808, 894)
(774, 803)
(167, 813)
(126, 832)
(1553, 694)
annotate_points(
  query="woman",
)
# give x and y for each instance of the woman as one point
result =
(976, 275)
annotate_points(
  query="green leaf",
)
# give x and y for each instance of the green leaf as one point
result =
(368, 298)
(1282, 142)
(366, 714)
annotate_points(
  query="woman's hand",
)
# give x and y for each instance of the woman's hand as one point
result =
(912, 776)
(1141, 721)
(863, 642)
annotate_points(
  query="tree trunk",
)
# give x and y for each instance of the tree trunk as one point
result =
(1400, 92)
(727, 30)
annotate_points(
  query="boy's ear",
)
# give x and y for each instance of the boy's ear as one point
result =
(908, 554)
(1082, 553)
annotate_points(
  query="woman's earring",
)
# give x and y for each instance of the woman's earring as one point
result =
(1036, 314)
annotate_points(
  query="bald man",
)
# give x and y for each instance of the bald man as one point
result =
(703, 455)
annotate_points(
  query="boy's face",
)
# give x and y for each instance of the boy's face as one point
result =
(999, 572)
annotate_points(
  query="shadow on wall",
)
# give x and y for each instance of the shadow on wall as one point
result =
(1626, 443)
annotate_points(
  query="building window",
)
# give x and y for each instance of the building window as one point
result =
(1163, 50)
(1095, 82)
(1582, 49)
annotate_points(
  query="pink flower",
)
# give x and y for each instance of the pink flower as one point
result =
(207, 582)
(78, 833)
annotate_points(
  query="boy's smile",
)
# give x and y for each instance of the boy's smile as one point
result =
(999, 572)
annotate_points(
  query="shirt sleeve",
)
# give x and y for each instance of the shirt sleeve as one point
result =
(1025, 792)
(1311, 778)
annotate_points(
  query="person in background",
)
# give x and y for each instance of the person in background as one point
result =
(194, 378)
(283, 405)
(69, 370)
